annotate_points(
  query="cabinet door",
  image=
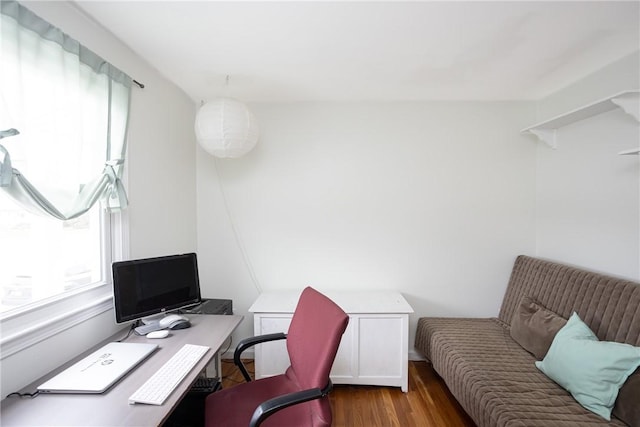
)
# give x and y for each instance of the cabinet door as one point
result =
(271, 358)
(380, 344)
(344, 369)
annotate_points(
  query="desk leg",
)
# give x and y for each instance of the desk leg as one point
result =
(214, 368)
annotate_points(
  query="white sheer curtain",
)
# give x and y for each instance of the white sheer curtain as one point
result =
(63, 119)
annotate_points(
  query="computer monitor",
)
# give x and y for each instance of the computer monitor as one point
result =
(144, 287)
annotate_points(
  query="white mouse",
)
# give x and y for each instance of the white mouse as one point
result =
(158, 334)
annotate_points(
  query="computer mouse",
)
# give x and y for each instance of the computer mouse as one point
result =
(170, 321)
(158, 334)
(180, 324)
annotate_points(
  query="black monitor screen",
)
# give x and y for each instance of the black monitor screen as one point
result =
(149, 286)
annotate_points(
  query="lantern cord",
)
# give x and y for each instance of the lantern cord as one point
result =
(236, 233)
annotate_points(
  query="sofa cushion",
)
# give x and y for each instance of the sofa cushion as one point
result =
(591, 370)
(627, 407)
(534, 327)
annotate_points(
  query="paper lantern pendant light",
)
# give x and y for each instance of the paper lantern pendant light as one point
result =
(226, 128)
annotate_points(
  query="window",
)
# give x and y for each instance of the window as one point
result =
(45, 257)
(63, 124)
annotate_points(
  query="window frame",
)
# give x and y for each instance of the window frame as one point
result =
(22, 328)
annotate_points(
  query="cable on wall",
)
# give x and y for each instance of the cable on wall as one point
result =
(234, 229)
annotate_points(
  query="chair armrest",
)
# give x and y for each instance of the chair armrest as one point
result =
(274, 405)
(250, 342)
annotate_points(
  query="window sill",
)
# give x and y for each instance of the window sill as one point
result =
(26, 328)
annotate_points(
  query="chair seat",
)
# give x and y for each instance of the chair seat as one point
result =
(233, 407)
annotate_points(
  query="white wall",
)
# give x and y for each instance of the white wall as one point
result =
(161, 184)
(434, 200)
(588, 197)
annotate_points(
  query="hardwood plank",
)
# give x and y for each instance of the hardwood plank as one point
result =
(428, 403)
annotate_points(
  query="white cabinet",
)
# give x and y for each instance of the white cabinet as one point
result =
(373, 350)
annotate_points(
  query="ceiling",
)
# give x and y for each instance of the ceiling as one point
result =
(373, 51)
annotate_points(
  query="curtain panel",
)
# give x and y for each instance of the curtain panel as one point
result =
(64, 114)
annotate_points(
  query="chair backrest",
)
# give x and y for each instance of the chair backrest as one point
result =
(313, 338)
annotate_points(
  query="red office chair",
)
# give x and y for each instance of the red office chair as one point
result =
(297, 398)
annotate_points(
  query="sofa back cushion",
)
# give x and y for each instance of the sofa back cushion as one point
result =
(610, 306)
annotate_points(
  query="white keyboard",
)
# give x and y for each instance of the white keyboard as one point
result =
(161, 384)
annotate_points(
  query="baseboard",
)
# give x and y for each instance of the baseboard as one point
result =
(415, 356)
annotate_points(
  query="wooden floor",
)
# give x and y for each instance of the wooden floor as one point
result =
(427, 404)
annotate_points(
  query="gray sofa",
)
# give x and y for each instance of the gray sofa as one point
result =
(495, 379)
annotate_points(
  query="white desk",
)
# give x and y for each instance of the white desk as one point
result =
(374, 348)
(112, 408)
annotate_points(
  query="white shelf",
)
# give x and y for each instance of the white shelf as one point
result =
(628, 101)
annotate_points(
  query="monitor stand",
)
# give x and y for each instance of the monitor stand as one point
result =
(154, 318)
(148, 324)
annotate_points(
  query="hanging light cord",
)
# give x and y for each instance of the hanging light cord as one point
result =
(236, 233)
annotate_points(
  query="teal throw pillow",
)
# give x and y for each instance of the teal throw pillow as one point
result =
(591, 370)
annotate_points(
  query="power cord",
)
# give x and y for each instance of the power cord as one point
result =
(133, 326)
(29, 395)
(234, 229)
(229, 346)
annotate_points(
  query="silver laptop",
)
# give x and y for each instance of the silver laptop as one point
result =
(100, 370)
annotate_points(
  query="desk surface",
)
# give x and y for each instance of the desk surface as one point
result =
(112, 408)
